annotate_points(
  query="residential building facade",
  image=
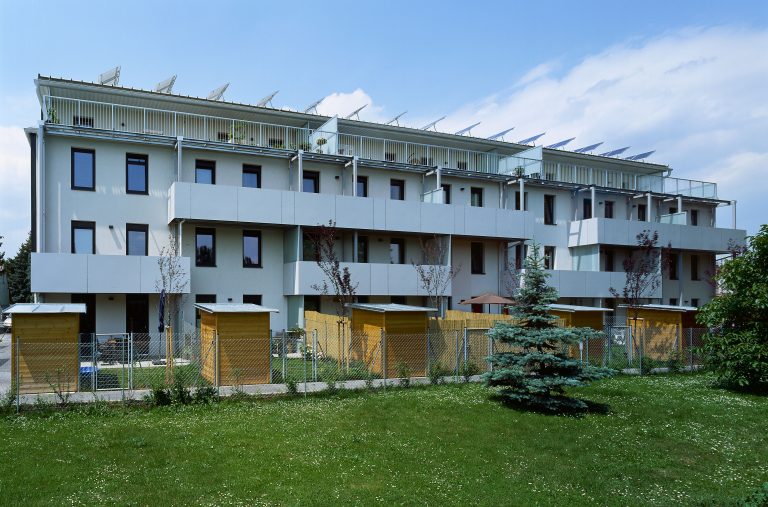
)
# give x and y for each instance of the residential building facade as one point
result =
(119, 175)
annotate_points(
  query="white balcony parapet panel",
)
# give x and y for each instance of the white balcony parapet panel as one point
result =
(191, 201)
(609, 231)
(373, 279)
(99, 274)
(590, 284)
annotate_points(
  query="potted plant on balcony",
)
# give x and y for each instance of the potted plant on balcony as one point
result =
(519, 171)
(320, 142)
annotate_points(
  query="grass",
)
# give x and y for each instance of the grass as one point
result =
(668, 440)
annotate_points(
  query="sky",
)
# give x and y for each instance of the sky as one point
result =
(687, 79)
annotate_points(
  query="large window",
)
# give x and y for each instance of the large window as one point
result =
(136, 174)
(251, 176)
(309, 248)
(673, 261)
(83, 237)
(396, 251)
(521, 252)
(251, 249)
(609, 260)
(694, 267)
(205, 172)
(252, 299)
(310, 182)
(83, 169)
(608, 209)
(397, 190)
(136, 239)
(446, 193)
(694, 217)
(362, 249)
(87, 319)
(641, 212)
(549, 209)
(362, 186)
(205, 247)
(586, 211)
(137, 316)
(549, 257)
(525, 201)
(476, 197)
(477, 251)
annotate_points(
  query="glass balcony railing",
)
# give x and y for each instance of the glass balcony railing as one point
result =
(123, 118)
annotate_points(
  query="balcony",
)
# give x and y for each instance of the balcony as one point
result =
(609, 231)
(590, 284)
(191, 201)
(373, 279)
(86, 114)
(98, 274)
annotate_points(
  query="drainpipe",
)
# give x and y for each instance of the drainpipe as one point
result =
(649, 210)
(40, 187)
(300, 172)
(733, 214)
(522, 194)
(354, 191)
(593, 201)
(178, 157)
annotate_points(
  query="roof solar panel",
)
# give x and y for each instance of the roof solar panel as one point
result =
(500, 134)
(613, 153)
(641, 156)
(588, 148)
(467, 129)
(531, 139)
(560, 144)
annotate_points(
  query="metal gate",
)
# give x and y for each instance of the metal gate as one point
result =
(104, 361)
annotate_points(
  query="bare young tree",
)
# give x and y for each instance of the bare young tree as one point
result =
(338, 281)
(643, 269)
(434, 275)
(173, 278)
(510, 281)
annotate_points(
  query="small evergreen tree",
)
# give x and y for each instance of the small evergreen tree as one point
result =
(18, 274)
(536, 370)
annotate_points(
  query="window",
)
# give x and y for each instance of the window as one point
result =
(477, 258)
(476, 197)
(694, 217)
(549, 257)
(549, 210)
(137, 317)
(136, 174)
(673, 261)
(252, 299)
(83, 237)
(205, 247)
(586, 212)
(310, 182)
(136, 239)
(525, 201)
(695, 302)
(521, 252)
(446, 193)
(87, 319)
(398, 300)
(362, 249)
(641, 212)
(205, 172)
(396, 251)
(251, 249)
(308, 248)
(608, 209)
(83, 169)
(311, 303)
(673, 301)
(694, 267)
(362, 186)
(397, 190)
(251, 176)
(202, 298)
(609, 259)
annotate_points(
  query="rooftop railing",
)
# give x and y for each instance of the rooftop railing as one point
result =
(142, 120)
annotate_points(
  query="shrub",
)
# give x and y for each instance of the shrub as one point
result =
(436, 374)
(403, 374)
(468, 370)
(292, 386)
(8, 400)
(205, 395)
(758, 498)
(159, 396)
(369, 381)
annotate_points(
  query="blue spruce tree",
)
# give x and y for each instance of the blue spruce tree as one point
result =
(536, 368)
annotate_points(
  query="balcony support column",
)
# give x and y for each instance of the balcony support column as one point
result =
(593, 202)
(649, 209)
(354, 192)
(179, 141)
(522, 194)
(733, 214)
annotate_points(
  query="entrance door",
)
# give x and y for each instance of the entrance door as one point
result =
(137, 321)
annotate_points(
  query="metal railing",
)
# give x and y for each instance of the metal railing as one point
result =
(142, 120)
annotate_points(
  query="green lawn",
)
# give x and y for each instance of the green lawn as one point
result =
(669, 440)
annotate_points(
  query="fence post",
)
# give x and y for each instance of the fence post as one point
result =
(284, 353)
(314, 355)
(130, 363)
(490, 352)
(456, 369)
(384, 357)
(642, 343)
(94, 362)
(690, 348)
(304, 350)
(216, 379)
(465, 344)
(428, 354)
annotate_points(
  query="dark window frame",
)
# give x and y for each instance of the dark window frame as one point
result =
(610, 261)
(251, 169)
(695, 268)
(401, 242)
(549, 257)
(249, 233)
(674, 259)
(311, 175)
(549, 217)
(251, 298)
(145, 159)
(474, 269)
(642, 217)
(517, 201)
(608, 209)
(476, 191)
(206, 164)
(205, 231)
(83, 224)
(586, 208)
(446, 187)
(695, 217)
(136, 228)
(397, 183)
(365, 243)
(361, 180)
(92, 152)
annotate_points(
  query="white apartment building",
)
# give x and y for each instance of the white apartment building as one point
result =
(117, 172)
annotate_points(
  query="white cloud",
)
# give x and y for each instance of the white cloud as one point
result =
(14, 188)
(342, 104)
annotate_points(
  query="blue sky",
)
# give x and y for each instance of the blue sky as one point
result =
(684, 78)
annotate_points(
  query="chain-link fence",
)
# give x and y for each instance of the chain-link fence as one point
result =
(129, 364)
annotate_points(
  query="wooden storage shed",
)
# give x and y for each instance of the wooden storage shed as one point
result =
(661, 327)
(243, 355)
(45, 335)
(405, 328)
(580, 316)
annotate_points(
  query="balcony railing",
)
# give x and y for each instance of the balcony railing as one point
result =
(142, 120)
